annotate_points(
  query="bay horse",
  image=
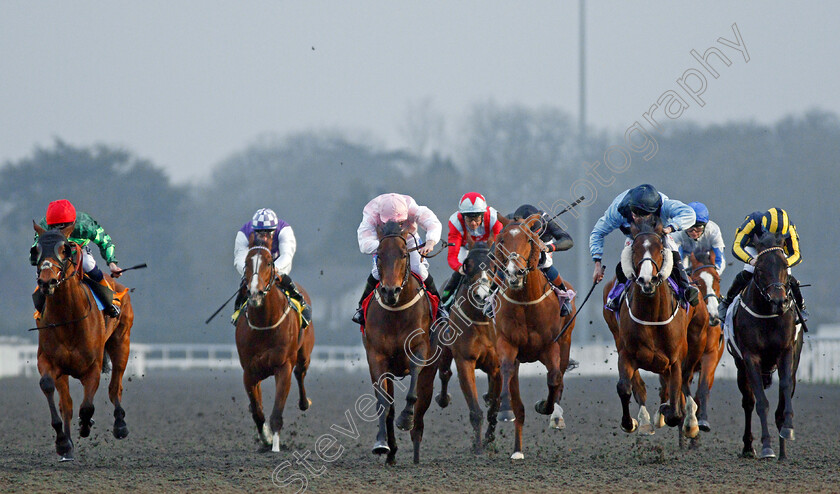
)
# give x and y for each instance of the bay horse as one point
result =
(527, 322)
(766, 338)
(270, 340)
(397, 341)
(705, 275)
(652, 332)
(470, 340)
(74, 337)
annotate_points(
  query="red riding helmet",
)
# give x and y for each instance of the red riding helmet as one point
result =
(60, 211)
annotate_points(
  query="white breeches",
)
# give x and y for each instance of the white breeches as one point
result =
(88, 262)
(419, 265)
(753, 253)
(548, 262)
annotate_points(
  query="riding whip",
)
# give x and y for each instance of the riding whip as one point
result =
(563, 331)
(139, 266)
(222, 307)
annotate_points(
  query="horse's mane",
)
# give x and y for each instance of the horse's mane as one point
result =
(649, 224)
(390, 228)
(768, 240)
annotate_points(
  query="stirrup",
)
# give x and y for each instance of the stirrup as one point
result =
(112, 311)
(613, 304)
(359, 317)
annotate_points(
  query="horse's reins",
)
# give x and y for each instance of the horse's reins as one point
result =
(62, 270)
(659, 280)
(405, 278)
(763, 290)
(265, 291)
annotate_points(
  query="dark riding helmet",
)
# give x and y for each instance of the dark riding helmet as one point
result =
(525, 210)
(645, 197)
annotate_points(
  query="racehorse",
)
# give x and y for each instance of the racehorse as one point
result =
(397, 342)
(74, 337)
(527, 322)
(705, 276)
(470, 339)
(270, 340)
(652, 332)
(766, 338)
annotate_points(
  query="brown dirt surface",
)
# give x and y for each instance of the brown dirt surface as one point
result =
(191, 431)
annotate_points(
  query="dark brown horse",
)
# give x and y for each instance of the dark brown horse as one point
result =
(705, 275)
(74, 337)
(766, 338)
(651, 333)
(470, 339)
(397, 342)
(527, 322)
(270, 340)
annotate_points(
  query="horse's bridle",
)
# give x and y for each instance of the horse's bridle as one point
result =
(62, 264)
(406, 257)
(778, 284)
(273, 278)
(657, 280)
(514, 256)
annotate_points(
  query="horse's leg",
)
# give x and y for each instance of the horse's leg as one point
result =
(118, 351)
(63, 442)
(466, 377)
(704, 387)
(784, 411)
(389, 426)
(494, 380)
(674, 410)
(551, 406)
(405, 422)
(748, 404)
(254, 392)
(90, 383)
(383, 388)
(507, 357)
(445, 370)
(637, 385)
(689, 426)
(761, 404)
(519, 412)
(301, 367)
(282, 382)
(625, 373)
(425, 388)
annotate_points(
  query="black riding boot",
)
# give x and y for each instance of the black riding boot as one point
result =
(740, 282)
(431, 288)
(691, 293)
(40, 300)
(359, 316)
(612, 304)
(105, 294)
(797, 295)
(449, 289)
(556, 281)
(289, 286)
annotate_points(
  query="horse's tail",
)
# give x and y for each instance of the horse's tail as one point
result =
(106, 364)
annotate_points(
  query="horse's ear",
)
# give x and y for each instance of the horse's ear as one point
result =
(40, 231)
(693, 259)
(634, 229)
(532, 220)
(68, 230)
(66, 249)
(657, 227)
(251, 238)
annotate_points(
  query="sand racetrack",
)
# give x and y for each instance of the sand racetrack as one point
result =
(191, 431)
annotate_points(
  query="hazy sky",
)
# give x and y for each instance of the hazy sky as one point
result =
(186, 83)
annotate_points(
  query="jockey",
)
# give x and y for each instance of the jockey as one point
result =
(404, 210)
(755, 224)
(702, 237)
(555, 239)
(283, 248)
(630, 206)
(481, 222)
(61, 214)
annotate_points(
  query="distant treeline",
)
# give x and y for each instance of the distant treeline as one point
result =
(319, 182)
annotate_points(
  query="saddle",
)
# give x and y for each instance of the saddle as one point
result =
(433, 301)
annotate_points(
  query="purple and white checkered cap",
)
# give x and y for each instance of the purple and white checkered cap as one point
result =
(265, 219)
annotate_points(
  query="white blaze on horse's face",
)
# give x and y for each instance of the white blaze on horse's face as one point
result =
(482, 290)
(255, 277)
(646, 268)
(46, 265)
(712, 301)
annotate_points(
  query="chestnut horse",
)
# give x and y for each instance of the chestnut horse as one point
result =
(527, 322)
(397, 342)
(74, 337)
(766, 338)
(704, 274)
(651, 333)
(470, 339)
(270, 340)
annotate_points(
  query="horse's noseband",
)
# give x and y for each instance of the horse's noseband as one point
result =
(273, 278)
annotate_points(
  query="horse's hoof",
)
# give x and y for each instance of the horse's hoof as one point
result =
(748, 453)
(275, 443)
(84, 429)
(634, 424)
(506, 416)
(65, 449)
(67, 457)
(646, 430)
(691, 432)
(704, 425)
(405, 422)
(767, 453)
(381, 448)
(121, 431)
(556, 420)
(542, 408)
(304, 405)
(443, 401)
(787, 433)
(517, 456)
(265, 435)
(659, 420)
